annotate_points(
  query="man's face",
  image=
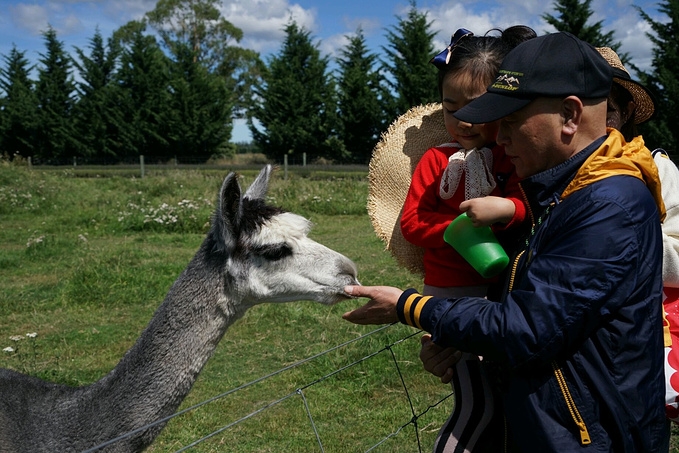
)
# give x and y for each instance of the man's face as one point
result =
(531, 136)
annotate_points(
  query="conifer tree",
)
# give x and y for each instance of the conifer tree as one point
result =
(212, 41)
(56, 137)
(573, 17)
(296, 103)
(143, 84)
(663, 81)
(361, 92)
(410, 50)
(97, 112)
(201, 109)
(19, 107)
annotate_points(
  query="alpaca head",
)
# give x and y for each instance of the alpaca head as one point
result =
(269, 256)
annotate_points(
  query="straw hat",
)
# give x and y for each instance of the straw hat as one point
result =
(390, 171)
(641, 96)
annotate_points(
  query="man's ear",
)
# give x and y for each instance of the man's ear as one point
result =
(571, 113)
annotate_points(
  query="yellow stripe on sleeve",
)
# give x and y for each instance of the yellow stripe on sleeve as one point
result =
(406, 308)
(418, 310)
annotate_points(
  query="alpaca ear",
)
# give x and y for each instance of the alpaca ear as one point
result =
(229, 213)
(258, 189)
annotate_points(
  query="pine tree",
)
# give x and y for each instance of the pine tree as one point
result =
(97, 110)
(360, 94)
(56, 138)
(573, 17)
(410, 50)
(663, 81)
(296, 102)
(143, 91)
(19, 107)
(202, 106)
(212, 41)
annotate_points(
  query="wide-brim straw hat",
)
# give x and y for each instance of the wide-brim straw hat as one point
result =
(645, 107)
(390, 171)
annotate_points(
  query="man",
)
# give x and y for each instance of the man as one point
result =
(576, 339)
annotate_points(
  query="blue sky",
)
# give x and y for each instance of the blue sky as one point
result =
(329, 22)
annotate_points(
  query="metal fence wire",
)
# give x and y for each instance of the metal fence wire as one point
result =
(300, 393)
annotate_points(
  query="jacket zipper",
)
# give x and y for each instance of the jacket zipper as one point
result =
(585, 438)
(512, 275)
(572, 408)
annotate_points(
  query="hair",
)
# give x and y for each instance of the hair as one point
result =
(622, 97)
(480, 56)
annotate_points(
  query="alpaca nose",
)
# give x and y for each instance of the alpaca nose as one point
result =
(348, 267)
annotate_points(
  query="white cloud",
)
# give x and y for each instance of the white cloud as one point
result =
(332, 45)
(451, 15)
(123, 11)
(263, 21)
(618, 16)
(369, 26)
(70, 24)
(31, 18)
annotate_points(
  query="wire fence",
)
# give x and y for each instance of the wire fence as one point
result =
(300, 392)
(142, 168)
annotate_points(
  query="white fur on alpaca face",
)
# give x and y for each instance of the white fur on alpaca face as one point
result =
(312, 268)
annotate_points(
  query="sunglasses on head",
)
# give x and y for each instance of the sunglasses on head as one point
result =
(443, 58)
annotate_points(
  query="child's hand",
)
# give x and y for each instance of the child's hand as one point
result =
(485, 211)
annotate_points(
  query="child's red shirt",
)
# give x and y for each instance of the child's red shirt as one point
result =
(426, 215)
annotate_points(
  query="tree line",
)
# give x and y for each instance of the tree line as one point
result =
(170, 86)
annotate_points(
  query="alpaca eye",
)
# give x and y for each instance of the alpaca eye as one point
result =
(273, 252)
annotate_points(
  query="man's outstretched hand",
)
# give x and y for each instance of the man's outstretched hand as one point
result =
(380, 309)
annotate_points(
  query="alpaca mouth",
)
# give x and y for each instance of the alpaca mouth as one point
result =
(336, 298)
(340, 295)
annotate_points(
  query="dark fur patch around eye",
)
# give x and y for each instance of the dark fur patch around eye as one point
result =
(273, 252)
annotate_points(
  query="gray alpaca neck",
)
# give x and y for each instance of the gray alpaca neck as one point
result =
(153, 377)
(157, 373)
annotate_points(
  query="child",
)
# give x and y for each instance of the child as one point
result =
(469, 174)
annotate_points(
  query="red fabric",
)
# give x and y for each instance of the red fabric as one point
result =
(426, 215)
(671, 307)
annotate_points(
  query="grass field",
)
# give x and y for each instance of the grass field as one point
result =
(87, 256)
(85, 261)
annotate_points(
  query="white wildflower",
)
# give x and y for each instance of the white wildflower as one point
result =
(8, 349)
(32, 334)
(34, 241)
(16, 338)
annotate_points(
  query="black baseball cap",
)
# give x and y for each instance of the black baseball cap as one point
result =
(553, 65)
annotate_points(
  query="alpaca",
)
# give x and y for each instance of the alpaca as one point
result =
(253, 253)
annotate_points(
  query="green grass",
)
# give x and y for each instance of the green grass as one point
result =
(85, 261)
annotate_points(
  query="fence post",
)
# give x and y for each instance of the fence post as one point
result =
(285, 167)
(141, 164)
(75, 163)
(304, 159)
(30, 162)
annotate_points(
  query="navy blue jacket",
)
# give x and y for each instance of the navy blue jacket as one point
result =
(577, 337)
